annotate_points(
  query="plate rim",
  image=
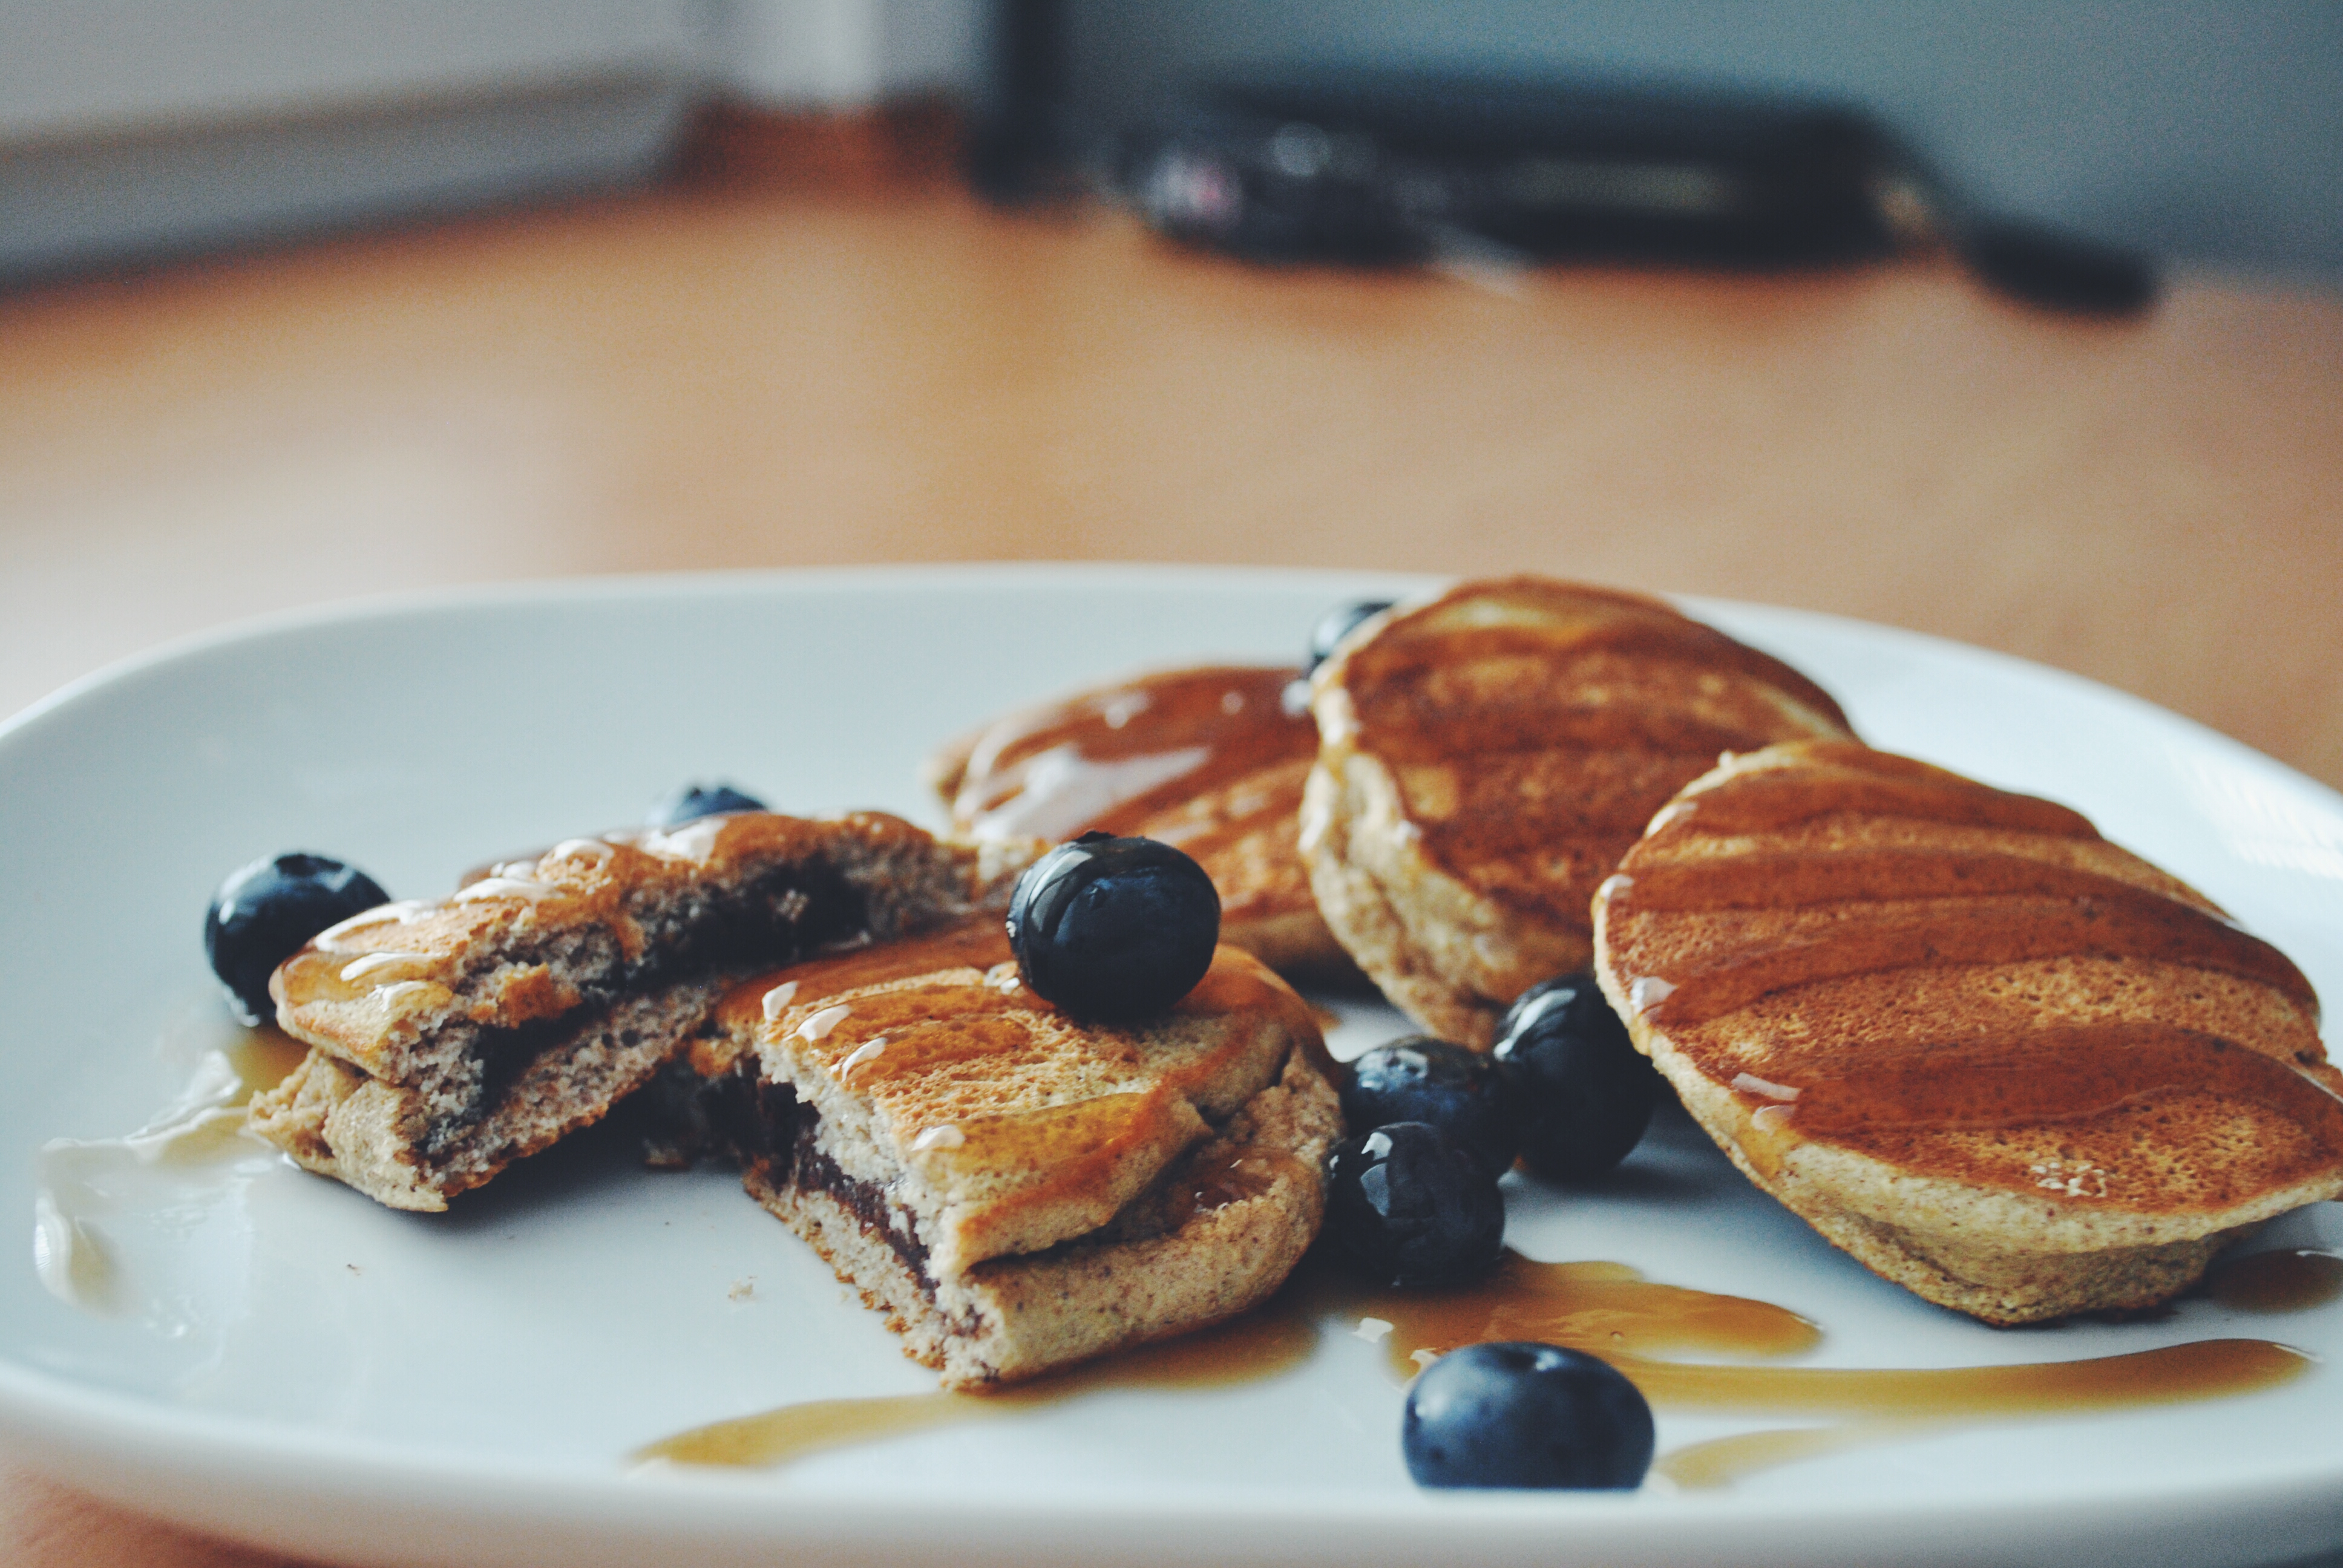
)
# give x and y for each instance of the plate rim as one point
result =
(720, 580)
(48, 1416)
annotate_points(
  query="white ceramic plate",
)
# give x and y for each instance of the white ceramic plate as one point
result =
(291, 1364)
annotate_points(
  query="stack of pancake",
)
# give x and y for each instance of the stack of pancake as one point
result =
(1995, 1058)
(1999, 1060)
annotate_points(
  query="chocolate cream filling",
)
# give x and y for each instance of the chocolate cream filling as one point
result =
(774, 920)
(775, 1139)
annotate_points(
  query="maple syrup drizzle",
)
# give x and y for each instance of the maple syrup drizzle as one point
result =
(2046, 909)
(1423, 646)
(1607, 1310)
(979, 942)
(1757, 804)
(1721, 1461)
(263, 1057)
(2101, 1084)
(1868, 938)
(1687, 744)
(1919, 1403)
(1258, 1345)
(1777, 879)
(1414, 683)
(1114, 760)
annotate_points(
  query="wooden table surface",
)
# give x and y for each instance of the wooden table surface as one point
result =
(774, 367)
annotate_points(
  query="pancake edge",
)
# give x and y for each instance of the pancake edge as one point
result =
(2086, 1260)
(1009, 1319)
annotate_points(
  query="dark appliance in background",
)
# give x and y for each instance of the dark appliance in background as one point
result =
(1382, 167)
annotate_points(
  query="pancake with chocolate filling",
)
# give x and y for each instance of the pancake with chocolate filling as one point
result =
(1209, 759)
(1486, 758)
(449, 1040)
(2003, 1062)
(1017, 1190)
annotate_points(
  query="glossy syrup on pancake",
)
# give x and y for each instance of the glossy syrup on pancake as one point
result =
(451, 1038)
(1112, 758)
(1015, 1186)
(1631, 694)
(1486, 758)
(1210, 759)
(958, 1033)
(1828, 949)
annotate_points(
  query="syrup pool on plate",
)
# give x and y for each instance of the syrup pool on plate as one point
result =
(108, 1209)
(1609, 1310)
(108, 1212)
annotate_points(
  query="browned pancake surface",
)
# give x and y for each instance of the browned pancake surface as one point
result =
(1489, 755)
(1015, 1188)
(1971, 992)
(1209, 759)
(1021, 1126)
(450, 1039)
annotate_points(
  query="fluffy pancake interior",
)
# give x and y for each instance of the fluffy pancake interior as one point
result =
(450, 1039)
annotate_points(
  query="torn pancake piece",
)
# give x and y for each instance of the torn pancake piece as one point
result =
(448, 1039)
(1018, 1190)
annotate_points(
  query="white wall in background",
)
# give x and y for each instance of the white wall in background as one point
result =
(131, 129)
(798, 54)
(927, 44)
(94, 68)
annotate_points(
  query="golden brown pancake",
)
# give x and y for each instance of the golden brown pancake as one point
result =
(1486, 758)
(2000, 1060)
(1209, 759)
(450, 1039)
(1016, 1189)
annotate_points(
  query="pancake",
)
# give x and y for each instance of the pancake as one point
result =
(1017, 1190)
(2003, 1062)
(1209, 759)
(1486, 758)
(449, 1040)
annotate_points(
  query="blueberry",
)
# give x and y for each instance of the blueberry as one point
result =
(694, 801)
(264, 913)
(1336, 624)
(1413, 1207)
(1113, 929)
(1582, 1094)
(1514, 1414)
(1421, 1079)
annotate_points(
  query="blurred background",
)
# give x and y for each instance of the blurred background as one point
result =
(2194, 131)
(301, 302)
